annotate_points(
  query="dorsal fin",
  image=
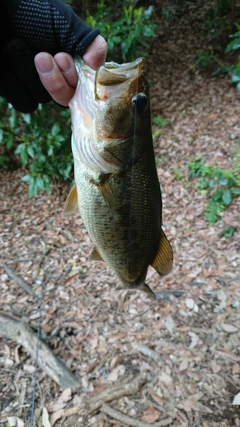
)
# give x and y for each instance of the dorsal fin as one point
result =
(164, 259)
(71, 203)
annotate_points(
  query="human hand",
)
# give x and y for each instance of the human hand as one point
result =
(58, 74)
(28, 27)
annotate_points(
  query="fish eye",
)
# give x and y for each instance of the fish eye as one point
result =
(140, 102)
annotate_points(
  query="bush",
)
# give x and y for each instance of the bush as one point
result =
(219, 184)
(127, 32)
(41, 141)
(232, 46)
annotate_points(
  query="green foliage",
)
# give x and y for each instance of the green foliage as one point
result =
(236, 160)
(222, 8)
(219, 184)
(218, 19)
(41, 141)
(170, 13)
(160, 122)
(229, 230)
(127, 31)
(232, 46)
(203, 59)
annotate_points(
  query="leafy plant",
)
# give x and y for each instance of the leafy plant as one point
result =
(221, 185)
(40, 140)
(222, 8)
(160, 122)
(127, 32)
(228, 231)
(203, 59)
(7, 131)
(232, 46)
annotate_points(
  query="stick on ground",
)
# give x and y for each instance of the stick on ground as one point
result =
(112, 392)
(131, 421)
(23, 334)
(19, 280)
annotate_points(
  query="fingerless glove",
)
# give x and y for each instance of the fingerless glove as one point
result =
(26, 28)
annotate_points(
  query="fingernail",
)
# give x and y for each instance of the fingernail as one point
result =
(66, 66)
(45, 66)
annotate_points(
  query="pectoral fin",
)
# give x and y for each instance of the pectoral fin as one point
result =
(95, 255)
(164, 258)
(71, 203)
(104, 187)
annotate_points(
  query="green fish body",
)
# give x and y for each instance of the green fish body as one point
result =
(116, 183)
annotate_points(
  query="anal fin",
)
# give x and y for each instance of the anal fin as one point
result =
(71, 203)
(164, 258)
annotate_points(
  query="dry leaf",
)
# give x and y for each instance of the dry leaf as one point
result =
(229, 328)
(45, 418)
(116, 372)
(157, 398)
(150, 415)
(215, 367)
(15, 422)
(56, 416)
(236, 400)
(170, 325)
(189, 303)
(235, 368)
(188, 405)
(184, 365)
(61, 402)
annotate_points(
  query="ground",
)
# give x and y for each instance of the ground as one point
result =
(186, 348)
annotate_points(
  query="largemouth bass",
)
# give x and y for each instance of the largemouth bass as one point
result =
(116, 183)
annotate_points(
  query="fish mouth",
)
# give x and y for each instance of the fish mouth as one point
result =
(110, 74)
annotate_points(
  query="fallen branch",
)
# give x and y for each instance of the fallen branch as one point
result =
(131, 421)
(19, 281)
(23, 334)
(113, 392)
(150, 353)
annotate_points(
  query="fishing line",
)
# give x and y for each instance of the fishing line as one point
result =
(36, 359)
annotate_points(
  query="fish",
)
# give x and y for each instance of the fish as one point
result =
(116, 184)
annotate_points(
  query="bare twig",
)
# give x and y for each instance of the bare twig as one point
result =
(65, 273)
(23, 334)
(131, 421)
(21, 397)
(19, 281)
(113, 392)
(150, 353)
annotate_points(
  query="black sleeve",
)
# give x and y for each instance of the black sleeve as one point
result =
(26, 28)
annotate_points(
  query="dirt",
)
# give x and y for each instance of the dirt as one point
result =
(97, 330)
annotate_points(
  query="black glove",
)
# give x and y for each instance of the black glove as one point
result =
(26, 28)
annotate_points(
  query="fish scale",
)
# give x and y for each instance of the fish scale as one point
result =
(118, 194)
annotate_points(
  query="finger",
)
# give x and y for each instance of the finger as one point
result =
(53, 79)
(66, 65)
(96, 52)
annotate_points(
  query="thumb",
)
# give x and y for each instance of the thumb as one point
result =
(96, 52)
